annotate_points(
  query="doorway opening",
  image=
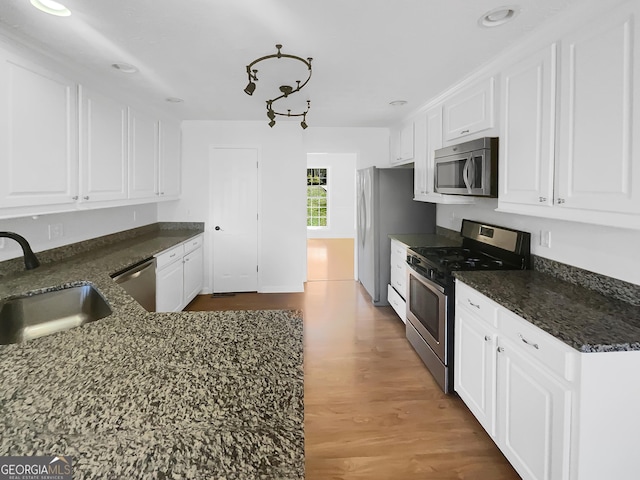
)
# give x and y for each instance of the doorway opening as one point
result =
(331, 207)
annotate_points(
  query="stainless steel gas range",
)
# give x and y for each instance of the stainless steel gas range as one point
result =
(430, 287)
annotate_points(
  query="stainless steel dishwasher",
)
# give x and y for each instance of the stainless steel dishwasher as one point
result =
(139, 281)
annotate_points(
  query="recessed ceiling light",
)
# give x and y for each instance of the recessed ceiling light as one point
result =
(125, 67)
(398, 103)
(174, 100)
(498, 16)
(51, 7)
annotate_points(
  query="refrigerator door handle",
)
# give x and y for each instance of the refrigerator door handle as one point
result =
(362, 218)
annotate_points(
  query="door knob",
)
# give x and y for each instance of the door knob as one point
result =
(217, 228)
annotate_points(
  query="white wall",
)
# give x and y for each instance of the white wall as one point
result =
(282, 178)
(342, 194)
(605, 250)
(370, 144)
(76, 227)
(281, 201)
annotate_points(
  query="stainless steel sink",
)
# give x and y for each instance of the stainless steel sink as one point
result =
(27, 317)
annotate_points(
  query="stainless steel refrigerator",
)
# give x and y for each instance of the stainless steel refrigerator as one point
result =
(385, 207)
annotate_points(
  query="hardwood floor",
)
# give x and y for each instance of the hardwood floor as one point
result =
(330, 259)
(372, 410)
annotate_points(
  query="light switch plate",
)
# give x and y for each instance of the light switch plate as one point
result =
(545, 238)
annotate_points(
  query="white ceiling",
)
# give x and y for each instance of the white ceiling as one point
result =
(366, 53)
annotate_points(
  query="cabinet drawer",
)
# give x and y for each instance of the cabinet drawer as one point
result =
(169, 256)
(476, 303)
(549, 351)
(399, 278)
(397, 302)
(193, 243)
(398, 249)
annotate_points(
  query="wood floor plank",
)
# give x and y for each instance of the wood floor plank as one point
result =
(372, 409)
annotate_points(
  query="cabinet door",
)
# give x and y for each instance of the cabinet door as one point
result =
(401, 143)
(470, 111)
(143, 155)
(475, 367)
(527, 133)
(420, 157)
(193, 274)
(103, 148)
(533, 416)
(407, 141)
(434, 142)
(599, 165)
(170, 287)
(38, 135)
(170, 160)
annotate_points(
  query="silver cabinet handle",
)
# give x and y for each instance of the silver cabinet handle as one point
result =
(473, 304)
(75, 197)
(542, 199)
(561, 201)
(86, 197)
(487, 338)
(534, 345)
(500, 349)
(464, 131)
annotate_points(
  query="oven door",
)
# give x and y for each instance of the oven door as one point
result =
(427, 312)
(464, 174)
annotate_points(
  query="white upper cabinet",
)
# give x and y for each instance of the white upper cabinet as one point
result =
(169, 178)
(599, 135)
(103, 148)
(586, 167)
(38, 135)
(428, 138)
(402, 144)
(420, 183)
(527, 134)
(143, 155)
(470, 110)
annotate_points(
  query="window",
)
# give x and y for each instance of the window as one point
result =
(317, 197)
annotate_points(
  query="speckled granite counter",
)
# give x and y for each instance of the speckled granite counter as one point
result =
(581, 318)
(202, 395)
(425, 240)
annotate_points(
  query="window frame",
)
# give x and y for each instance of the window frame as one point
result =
(327, 188)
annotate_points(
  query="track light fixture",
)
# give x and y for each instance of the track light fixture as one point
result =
(285, 90)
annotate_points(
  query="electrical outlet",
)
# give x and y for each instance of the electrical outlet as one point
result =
(545, 238)
(55, 231)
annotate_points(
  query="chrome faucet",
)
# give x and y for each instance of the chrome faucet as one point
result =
(30, 259)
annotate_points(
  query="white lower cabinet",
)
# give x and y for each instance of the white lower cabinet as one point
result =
(179, 275)
(170, 286)
(397, 290)
(475, 367)
(555, 413)
(193, 274)
(515, 379)
(534, 409)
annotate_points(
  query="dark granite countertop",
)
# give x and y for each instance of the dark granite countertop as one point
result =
(581, 318)
(202, 395)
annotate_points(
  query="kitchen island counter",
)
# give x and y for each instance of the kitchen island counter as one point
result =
(582, 318)
(154, 395)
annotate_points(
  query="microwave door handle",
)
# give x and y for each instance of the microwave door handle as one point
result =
(465, 173)
(471, 173)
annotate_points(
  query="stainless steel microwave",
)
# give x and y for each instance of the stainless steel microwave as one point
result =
(469, 168)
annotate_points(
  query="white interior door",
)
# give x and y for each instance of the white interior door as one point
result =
(234, 186)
